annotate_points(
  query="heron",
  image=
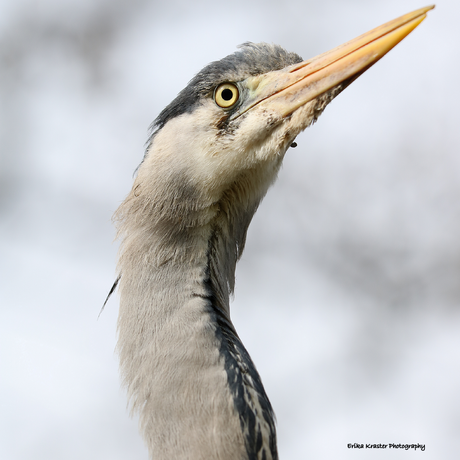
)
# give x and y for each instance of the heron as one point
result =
(212, 154)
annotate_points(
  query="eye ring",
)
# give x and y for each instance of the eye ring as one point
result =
(226, 95)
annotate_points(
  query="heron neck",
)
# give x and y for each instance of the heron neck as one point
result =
(178, 344)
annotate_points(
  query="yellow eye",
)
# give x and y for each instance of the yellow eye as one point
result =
(226, 95)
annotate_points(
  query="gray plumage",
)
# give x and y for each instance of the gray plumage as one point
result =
(180, 245)
(211, 157)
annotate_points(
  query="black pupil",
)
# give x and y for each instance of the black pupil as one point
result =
(227, 94)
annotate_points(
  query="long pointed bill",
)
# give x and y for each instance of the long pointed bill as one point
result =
(288, 89)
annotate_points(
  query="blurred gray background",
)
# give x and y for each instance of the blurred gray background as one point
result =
(348, 294)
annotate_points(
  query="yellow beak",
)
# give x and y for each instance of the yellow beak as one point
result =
(288, 89)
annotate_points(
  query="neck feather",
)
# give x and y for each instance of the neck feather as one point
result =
(188, 375)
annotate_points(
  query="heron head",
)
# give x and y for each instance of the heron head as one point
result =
(238, 116)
